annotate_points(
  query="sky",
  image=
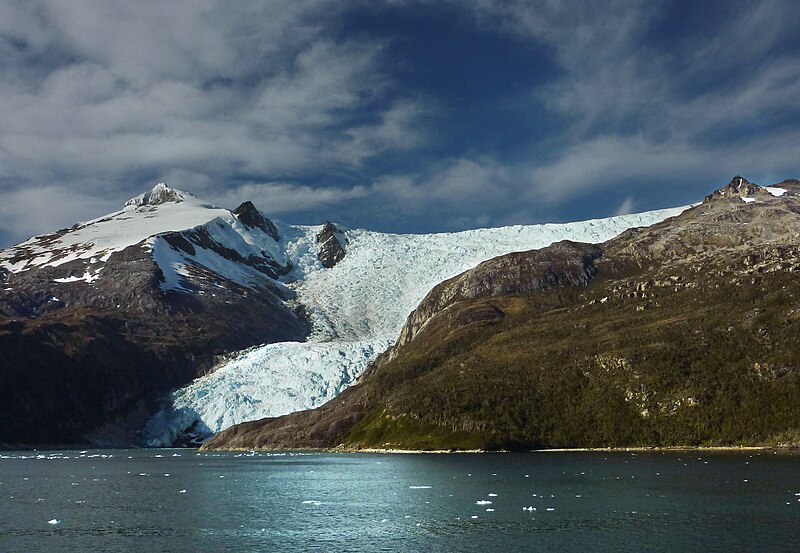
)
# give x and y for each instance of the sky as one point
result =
(395, 115)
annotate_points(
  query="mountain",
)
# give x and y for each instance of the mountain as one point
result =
(682, 333)
(99, 319)
(357, 309)
(240, 317)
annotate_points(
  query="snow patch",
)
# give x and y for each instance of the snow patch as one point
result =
(776, 191)
(88, 277)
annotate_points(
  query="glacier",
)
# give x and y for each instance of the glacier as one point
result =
(357, 309)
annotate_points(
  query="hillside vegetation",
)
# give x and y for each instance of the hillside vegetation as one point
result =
(684, 333)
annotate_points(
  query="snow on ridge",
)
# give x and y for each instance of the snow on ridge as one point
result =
(160, 194)
(99, 238)
(228, 233)
(357, 309)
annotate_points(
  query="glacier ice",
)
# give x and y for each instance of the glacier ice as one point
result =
(357, 309)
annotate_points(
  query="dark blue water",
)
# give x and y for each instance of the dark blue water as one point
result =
(181, 500)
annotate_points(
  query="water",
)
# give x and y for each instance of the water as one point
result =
(182, 500)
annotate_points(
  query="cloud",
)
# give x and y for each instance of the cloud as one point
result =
(279, 198)
(124, 93)
(26, 212)
(626, 206)
(689, 107)
(397, 128)
(294, 106)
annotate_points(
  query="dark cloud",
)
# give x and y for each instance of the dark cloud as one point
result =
(417, 116)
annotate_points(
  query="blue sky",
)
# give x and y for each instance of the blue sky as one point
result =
(402, 116)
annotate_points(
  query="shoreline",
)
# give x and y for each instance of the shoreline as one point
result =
(654, 449)
(783, 448)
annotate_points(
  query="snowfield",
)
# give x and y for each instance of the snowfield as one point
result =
(96, 240)
(357, 310)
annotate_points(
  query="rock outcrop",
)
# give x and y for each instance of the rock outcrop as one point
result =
(331, 245)
(253, 218)
(160, 194)
(561, 264)
(739, 187)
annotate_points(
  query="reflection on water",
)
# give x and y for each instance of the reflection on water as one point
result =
(182, 500)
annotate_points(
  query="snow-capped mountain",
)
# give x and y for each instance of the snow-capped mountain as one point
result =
(215, 238)
(100, 317)
(188, 282)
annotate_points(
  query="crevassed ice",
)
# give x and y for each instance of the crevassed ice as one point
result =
(357, 309)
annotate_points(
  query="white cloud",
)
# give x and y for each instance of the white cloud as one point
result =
(278, 197)
(626, 206)
(30, 211)
(101, 98)
(122, 90)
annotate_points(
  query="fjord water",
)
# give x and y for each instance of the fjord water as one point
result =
(184, 500)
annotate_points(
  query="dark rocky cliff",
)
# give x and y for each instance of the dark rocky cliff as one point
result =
(331, 245)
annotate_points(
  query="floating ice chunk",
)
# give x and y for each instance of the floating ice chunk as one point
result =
(182, 491)
(483, 502)
(53, 521)
(490, 510)
(312, 502)
(530, 508)
(492, 495)
(474, 516)
(420, 487)
(550, 509)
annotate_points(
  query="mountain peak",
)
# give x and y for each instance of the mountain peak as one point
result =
(160, 194)
(250, 216)
(739, 187)
(331, 241)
